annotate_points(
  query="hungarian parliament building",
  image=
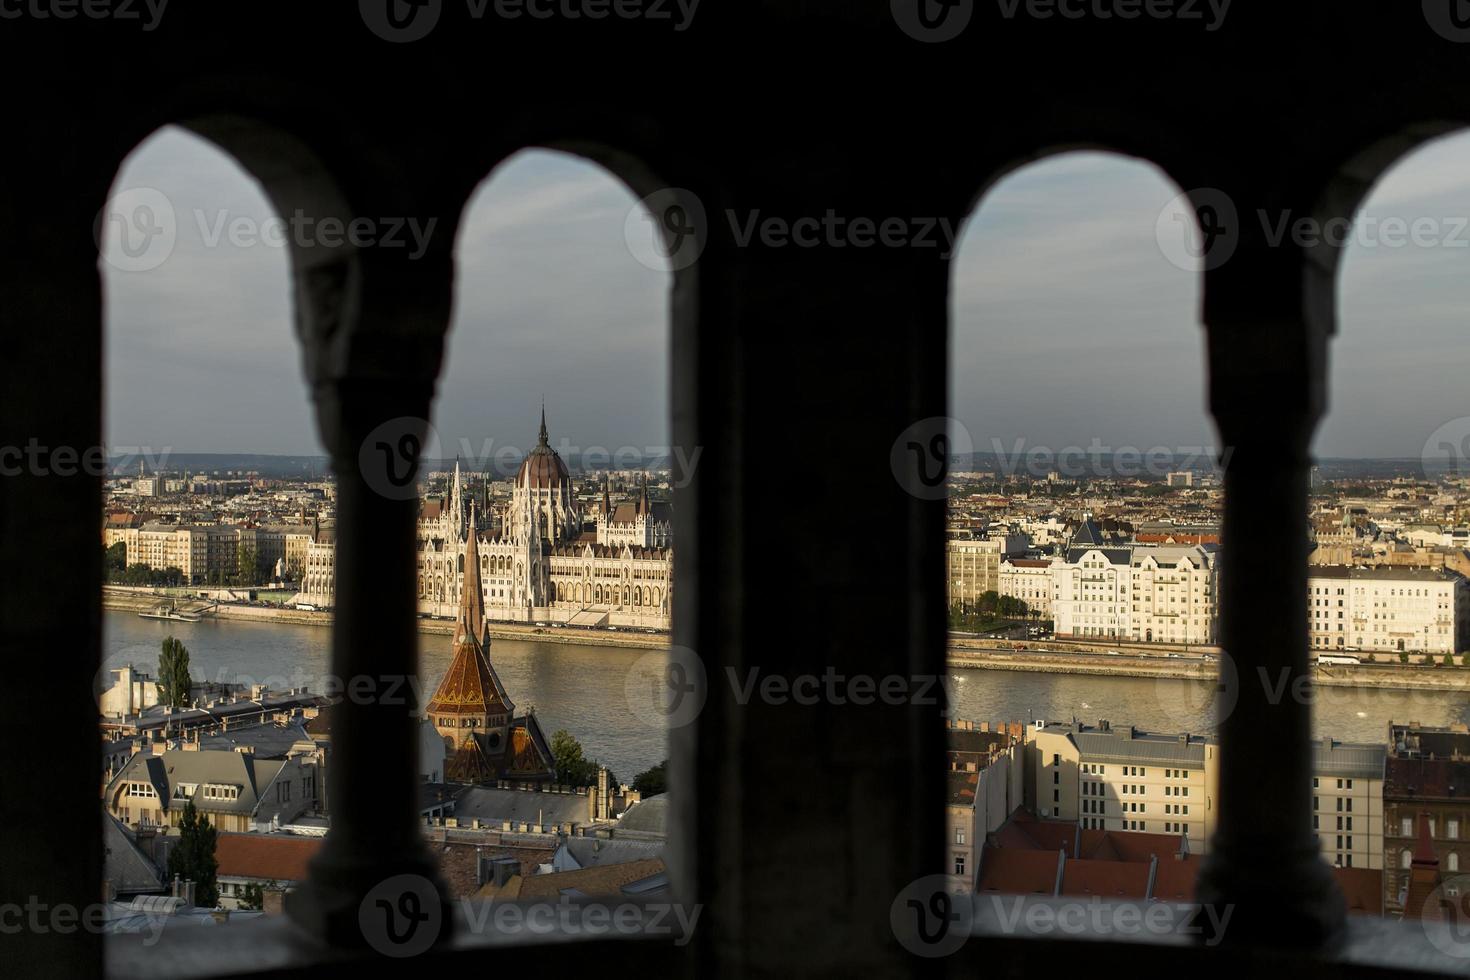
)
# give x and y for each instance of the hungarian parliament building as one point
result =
(544, 558)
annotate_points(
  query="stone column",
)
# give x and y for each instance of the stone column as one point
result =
(373, 325)
(1267, 375)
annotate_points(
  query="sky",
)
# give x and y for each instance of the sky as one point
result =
(1072, 324)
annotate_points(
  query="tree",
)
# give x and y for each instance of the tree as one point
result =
(1449, 660)
(1403, 656)
(246, 572)
(653, 781)
(573, 768)
(115, 560)
(253, 896)
(193, 857)
(174, 682)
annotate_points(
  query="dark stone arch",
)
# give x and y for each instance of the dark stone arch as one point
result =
(1341, 195)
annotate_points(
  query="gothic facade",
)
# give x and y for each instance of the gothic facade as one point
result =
(546, 559)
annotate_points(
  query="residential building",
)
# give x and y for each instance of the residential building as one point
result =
(1347, 802)
(1121, 779)
(1030, 580)
(985, 782)
(1426, 804)
(1133, 592)
(235, 790)
(1388, 609)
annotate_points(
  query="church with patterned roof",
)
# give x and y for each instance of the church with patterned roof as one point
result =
(484, 739)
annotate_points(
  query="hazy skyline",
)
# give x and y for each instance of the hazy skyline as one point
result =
(1069, 324)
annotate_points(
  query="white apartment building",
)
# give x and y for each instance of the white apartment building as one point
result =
(1030, 580)
(1138, 593)
(1387, 609)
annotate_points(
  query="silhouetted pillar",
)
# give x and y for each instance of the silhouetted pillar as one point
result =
(1267, 367)
(372, 388)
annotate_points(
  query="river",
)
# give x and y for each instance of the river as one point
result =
(585, 689)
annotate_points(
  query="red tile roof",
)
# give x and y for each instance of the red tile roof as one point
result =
(1017, 872)
(280, 859)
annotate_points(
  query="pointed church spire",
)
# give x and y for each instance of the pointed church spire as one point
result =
(643, 505)
(606, 496)
(542, 440)
(471, 624)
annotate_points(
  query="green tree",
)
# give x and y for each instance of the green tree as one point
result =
(244, 565)
(253, 896)
(573, 768)
(571, 764)
(653, 781)
(193, 857)
(115, 560)
(1403, 656)
(174, 682)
